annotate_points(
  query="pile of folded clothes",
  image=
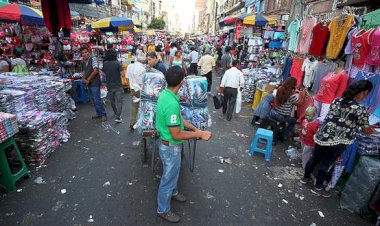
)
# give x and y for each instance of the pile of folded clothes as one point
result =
(8, 126)
(38, 136)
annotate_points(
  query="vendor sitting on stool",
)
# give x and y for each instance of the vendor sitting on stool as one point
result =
(285, 100)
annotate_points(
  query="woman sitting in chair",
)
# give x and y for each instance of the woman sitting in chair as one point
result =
(285, 100)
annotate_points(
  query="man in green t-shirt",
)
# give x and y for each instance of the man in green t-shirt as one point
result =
(170, 126)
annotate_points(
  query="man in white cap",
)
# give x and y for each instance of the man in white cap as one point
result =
(135, 73)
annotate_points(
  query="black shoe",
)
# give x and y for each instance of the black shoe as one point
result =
(228, 119)
(320, 192)
(131, 128)
(179, 197)
(170, 217)
(305, 180)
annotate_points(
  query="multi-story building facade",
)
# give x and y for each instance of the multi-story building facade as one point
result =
(228, 8)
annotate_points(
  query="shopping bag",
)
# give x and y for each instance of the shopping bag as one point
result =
(218, 100)
(103, 92)
(238, 102)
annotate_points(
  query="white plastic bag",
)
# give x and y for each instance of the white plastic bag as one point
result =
(238, 102)
(103, 92)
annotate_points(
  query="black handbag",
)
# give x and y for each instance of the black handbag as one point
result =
(218, 100)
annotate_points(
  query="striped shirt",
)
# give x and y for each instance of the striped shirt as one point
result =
(287, 107)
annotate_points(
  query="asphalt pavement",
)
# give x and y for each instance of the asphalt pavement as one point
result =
(106, 183)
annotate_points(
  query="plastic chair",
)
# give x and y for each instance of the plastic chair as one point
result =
(277, 127)
(7, 178)
(266, 135)
(80, 93)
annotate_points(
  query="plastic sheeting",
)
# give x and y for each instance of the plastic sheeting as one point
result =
(361, 185)
(368, 144)
(147, 115)
(152, 86)
(198, 117)
(193, 92)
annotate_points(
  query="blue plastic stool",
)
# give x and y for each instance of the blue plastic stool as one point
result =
(80, 93)
(266, 135)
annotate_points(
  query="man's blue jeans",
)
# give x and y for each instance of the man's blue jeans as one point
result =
(98, 104)
(286, 119)
(171, 162)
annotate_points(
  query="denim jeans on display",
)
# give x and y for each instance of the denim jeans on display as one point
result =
(98, 104)
(171, 163)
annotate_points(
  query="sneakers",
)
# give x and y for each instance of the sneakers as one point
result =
(170, 217)
(305, 180)
(320, 192)
(104, 118)
(131, 128)
(118, 120)
(179, 198)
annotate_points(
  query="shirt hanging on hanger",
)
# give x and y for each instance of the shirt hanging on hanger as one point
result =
(308, 67)
(339, 28)
(293, 30)
(296, 70)
(373, 57)
(320, 71)
(305, 35)
(360, 47)
(320, 36)
(332, 86)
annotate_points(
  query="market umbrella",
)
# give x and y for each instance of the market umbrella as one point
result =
(21, 13)
(150, 32)
(258, 20)
(137, 23)
(229, 20)
(113, 24)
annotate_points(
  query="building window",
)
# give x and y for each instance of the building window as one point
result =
(154, 10)
(277, 4)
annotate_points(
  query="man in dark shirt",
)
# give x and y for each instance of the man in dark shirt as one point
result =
(112, 69)
(91, 79)
(155, 63)
(225, 61)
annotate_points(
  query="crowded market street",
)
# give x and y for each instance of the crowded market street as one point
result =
(196, 112)
(249, 191)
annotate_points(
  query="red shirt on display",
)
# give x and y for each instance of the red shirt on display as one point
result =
(373, 57)
(332, 86)
(320, 36)
(361, 46)
(309, 129)
(296, 70)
